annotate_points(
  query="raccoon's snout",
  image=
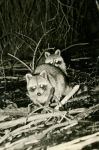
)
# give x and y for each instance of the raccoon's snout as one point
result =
(38, 94)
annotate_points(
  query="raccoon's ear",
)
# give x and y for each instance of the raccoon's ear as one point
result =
(47, 54)
(43, 74)
(58, 52)
(28, 76)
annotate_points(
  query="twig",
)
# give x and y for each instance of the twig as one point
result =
(43, 53)
(9, 78)
(20, 62)
(23, 39)
(76, 111)
(97, 4)
(3, 70)
(68, 25)
(78, 44)
(27, 37)
(57, 9)
(34, 55)
(82, 58)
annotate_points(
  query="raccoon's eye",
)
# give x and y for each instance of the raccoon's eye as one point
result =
(58, 62)
(51, 62)
(32, 89)
(43, 87)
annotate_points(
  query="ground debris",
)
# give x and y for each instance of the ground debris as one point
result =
(73, 125)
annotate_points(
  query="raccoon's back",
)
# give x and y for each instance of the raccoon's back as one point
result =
(53, 70)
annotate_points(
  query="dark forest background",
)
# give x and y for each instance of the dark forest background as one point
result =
(61, 23)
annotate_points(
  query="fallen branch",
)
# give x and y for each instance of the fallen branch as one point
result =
(14, 112)
(22, 120)
(77, 144)
(27, 127)
(21, 144)
(35, 138)
(67, 97)
(24, 129)
(75, 121)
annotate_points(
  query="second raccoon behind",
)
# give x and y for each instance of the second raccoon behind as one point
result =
(44, 78)
(56, 60)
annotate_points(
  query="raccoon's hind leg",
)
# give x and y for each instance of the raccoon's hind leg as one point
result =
(61, 85)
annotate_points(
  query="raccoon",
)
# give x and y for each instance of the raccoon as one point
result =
(45, 77)
(55, 59)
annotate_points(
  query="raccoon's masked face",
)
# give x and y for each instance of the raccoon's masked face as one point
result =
(38, 87)
(54, 59)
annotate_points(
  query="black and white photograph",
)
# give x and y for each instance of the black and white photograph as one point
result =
(49, 74)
